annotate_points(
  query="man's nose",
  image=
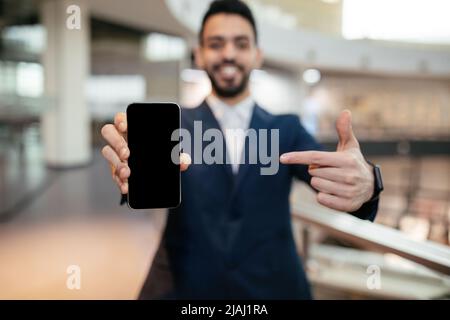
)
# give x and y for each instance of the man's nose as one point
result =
(229, 51)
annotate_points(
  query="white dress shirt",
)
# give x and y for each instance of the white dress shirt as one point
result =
(233, 117)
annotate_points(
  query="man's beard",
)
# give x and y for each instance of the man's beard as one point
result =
(229, 92)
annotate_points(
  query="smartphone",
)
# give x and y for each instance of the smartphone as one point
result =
(153, 140)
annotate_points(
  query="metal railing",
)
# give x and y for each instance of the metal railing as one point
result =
(374, 237)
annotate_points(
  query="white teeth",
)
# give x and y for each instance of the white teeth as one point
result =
(229, 71)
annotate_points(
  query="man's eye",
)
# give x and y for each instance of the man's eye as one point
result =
(215, 45)
(242, 45)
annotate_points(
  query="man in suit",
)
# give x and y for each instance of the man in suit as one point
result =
(231, 237)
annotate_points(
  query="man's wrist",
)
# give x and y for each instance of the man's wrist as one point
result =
(377, 181)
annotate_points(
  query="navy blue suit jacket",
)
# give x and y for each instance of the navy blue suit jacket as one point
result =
(231, 237)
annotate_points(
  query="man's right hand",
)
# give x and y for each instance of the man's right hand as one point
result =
(117, 152)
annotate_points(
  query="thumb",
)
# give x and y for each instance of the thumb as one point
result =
(344, 130)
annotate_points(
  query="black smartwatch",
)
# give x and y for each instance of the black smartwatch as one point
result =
(378, 181)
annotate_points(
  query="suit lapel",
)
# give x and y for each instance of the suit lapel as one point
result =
(210, 122)
(258, 121)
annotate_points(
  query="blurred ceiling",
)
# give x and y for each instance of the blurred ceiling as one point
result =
(420, 23)
(140, 14)
(323, 16)
(316, 15)
(306, 32)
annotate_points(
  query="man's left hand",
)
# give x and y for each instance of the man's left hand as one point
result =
(343, 178)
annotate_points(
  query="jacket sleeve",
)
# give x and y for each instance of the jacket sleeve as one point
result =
(303, 141)
(123, 199)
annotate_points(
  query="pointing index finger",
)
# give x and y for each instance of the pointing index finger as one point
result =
(321, 158)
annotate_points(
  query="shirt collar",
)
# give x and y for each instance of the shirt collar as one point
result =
(243, 109)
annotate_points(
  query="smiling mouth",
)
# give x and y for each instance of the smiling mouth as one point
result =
(228, 72)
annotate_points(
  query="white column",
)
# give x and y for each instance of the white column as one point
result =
(66, 126)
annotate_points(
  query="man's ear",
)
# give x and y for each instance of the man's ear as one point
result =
(198, 57)
(259, 59)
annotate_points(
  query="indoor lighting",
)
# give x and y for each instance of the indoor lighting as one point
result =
(311, 76)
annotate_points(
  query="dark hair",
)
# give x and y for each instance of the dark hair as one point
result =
(231, 7)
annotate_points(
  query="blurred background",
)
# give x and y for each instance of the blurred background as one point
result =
(386, 61)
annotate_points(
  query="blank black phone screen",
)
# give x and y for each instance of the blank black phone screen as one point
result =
(154, 180)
